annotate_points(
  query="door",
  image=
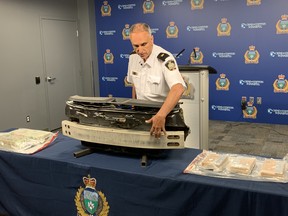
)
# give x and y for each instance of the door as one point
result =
(61, 66)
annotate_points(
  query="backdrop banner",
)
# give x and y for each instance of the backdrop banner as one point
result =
(237, 38)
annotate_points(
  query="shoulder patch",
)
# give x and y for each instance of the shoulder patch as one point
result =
(171, 65)
(162, 56)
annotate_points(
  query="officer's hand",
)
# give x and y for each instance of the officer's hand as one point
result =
(158, 125)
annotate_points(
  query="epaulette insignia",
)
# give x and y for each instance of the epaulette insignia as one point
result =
(134, 52)
(162, 56)
(171, 65)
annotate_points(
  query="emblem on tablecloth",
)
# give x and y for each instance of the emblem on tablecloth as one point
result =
(89, 201)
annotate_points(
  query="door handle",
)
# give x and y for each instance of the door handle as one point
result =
(50, 79)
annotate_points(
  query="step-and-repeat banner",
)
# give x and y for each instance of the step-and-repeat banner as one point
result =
(246, 41)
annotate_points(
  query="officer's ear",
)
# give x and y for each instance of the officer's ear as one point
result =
(152, 39)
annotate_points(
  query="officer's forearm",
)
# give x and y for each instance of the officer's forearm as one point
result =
(172, 99)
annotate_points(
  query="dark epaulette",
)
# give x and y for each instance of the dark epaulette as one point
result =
(162, 56)
(134, 52)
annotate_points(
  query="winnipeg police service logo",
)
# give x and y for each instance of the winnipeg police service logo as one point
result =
(250, 111)
(282, 25)
(252, 56)
(126, 32)
(280, 85)
(148, 6)
(253, 2)
(197, 4)
(222, 83)
(105, 9)
(223, 28)
(172, 30)
(89, 201)
(196, 57)
(108, 57)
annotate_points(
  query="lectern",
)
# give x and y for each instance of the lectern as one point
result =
(195, 104)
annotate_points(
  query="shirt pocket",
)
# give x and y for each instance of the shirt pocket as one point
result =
(135, 78)
(153, 84)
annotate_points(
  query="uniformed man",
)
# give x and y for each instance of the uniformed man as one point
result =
(155, 76)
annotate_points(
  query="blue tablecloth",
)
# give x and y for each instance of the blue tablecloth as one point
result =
(46, 184)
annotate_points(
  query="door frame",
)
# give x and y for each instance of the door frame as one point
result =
(48, 117)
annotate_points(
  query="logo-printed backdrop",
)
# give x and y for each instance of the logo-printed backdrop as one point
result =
(245, 41)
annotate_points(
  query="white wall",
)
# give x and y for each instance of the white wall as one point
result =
(21, 58)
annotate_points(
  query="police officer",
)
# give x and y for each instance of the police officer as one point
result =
(154, 74)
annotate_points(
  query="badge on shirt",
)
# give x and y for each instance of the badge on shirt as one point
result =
(171, 65)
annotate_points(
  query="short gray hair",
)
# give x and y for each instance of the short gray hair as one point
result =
(138, 27)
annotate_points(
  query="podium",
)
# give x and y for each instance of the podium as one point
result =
(195, 104)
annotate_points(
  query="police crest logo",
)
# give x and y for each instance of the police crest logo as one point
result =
(171, 65)
(148, 6)
(252, 56)
(282, 25)
(250, 111)
(197, 4)
(190, 90)
(126, 32)
(196, 57)
(222, 83)
(253, 2)
(172, 30)
(223, 28)
(89, 201)
(108, 57)
(280, 85)
(105, 9)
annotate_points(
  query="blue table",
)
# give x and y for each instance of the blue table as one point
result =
(47, 182)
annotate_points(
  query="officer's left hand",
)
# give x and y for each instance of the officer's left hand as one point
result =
(158, 125)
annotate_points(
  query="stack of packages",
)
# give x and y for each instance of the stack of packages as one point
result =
(239, 166)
